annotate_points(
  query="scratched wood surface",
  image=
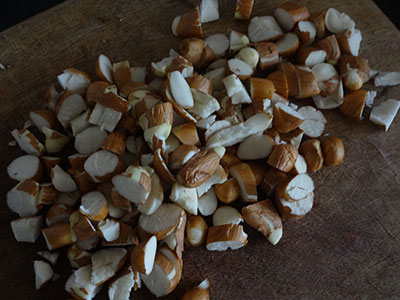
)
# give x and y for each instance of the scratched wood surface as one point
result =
(346, 248)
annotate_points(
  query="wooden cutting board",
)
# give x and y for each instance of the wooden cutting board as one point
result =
(347, 247)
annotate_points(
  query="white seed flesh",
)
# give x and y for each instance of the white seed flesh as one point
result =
(23, 167)
(299, 187)
(384, 114)
(208, 11)
(263, 29)
(237, 41)
(70, 108)
(104, 117)
(226, 215)
(240, 67)
(73, 81)
(255, 147)
(105, 263)
(387, 79)
(79, 123)
(219, 43)
(336, 21)
(110, 229)
(129, 185)
(93, 203)
(80, 283)
(180, 90)
(219, 176)
(208, 203)
(307, 26)
(155, 198)
(315, 57)
(164, 217)
(314, 121)
(287, 42)
(332, 101)
(249, 55)
(184, 197)
(43, 273)
(27, 229)
(204, 104)
(236, 90)
(285, 20)
(62, 181)
(299, 207)
(90, 140)
(120, 289)
(106, 67)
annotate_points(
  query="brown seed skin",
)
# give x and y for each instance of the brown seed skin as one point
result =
(283, 157)
(333, 150)
(199, 168)
(311, 150)
(192, 49)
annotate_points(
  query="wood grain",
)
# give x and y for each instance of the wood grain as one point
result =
(347, 248)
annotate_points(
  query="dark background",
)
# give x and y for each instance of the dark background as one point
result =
(16, 11)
